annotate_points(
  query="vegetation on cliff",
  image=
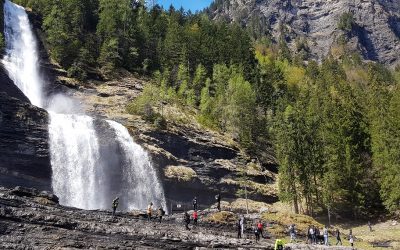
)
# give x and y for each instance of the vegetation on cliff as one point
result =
(335, 126)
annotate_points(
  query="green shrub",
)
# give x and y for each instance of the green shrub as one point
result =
(160, 122)
(76, 71)
(346, 22)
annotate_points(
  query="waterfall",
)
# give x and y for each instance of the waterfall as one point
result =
(74, 157)
(21, 57)
(139, 180)
(87, 173)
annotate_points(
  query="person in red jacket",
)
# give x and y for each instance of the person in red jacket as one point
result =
(195, 217)
(260, 228)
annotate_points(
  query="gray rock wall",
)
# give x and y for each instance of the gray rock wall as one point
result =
(24, 148)
(317, 21)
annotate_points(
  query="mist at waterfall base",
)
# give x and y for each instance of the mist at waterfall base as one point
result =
(93, 160)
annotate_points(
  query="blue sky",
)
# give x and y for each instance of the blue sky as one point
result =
(192, 5)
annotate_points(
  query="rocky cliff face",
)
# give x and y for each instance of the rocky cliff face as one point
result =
(377, 34)
(24, 148)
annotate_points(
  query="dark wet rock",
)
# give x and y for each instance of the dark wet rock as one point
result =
(7, 86)
(24, 148)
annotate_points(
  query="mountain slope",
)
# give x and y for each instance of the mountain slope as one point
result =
(376, 29)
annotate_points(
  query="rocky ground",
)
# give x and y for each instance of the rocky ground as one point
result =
(30, 219)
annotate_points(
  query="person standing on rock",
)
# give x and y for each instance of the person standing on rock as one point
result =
(161, 213)
(312, 232)
(149, 210)
(309, 236)
(115, 205)
(338, 239)
(195, 203)
(326, 235)
(292, 232)
(186, 219)
(369, 226)
(239, 228)
(218, 198)
(351, 240)
(256, 233)
(195, 217)
(241, 222)
(260, 228)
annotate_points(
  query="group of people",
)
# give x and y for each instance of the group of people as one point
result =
(258, 228)
(149, 212)
(315, 236)
(187, 219)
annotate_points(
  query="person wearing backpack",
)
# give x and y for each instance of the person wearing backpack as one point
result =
(186, 219)
(160, 214)
(115, 205)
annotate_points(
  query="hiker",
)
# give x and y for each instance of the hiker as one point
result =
(241, 223)
(239, 228)
(186, 219)
(149, 210)
(160, 214)
(309, 237)
(338, 239)
(195, 203)
(351, 240)
(256, 233)
(218, 198)
(260, 228)
(115, 205)
(312, 235)
(292, 232)
(318, 238)
(278, 244)
(369, 226)
(326, 243)
(195, 217)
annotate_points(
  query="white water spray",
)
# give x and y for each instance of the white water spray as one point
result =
(74, 157)
(140, 182)
(82, 176)
(21, 59)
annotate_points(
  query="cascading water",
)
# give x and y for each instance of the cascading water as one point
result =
(21, 59)
(83, 174)
(138, 174)
(74, 155)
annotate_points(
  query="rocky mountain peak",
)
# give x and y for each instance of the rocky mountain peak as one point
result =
(375, 34)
